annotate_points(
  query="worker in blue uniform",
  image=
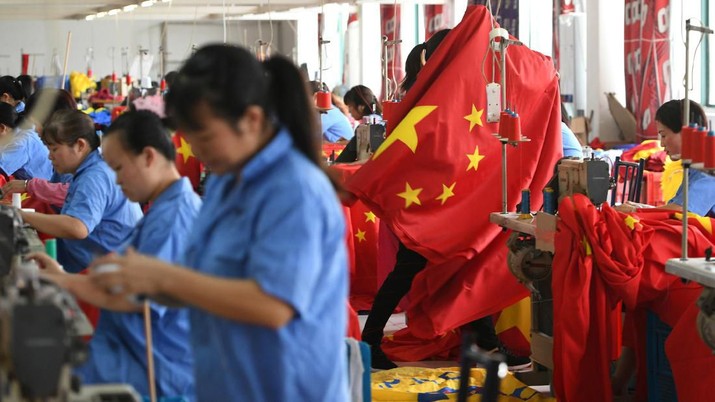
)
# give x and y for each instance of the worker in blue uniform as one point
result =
(701, 186)
(266, 266)
(334, 124)
(139, 149)
(96, 217)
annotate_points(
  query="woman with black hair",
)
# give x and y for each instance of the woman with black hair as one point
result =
(11, 92)
(25, 157)
(266, 265)
(49, 186)
(139, 150)
(362, 102)
(96, 217)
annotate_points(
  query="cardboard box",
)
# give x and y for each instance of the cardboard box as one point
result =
(623, 117)
(581, 127)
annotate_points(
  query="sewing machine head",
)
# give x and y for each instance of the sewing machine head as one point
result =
(590, 177)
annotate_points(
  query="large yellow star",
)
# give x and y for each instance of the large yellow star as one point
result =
(474, 159)
(703, 220)
(474, 118)
(410, 195)
(370, 217)
(405, 130)
(184, 150)
(360, 235)
(447, 192)
(517, 315)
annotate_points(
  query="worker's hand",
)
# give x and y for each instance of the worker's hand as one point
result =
(130, 274)
(83, 287)
(46, 263)
(13, 186)
(626, 208)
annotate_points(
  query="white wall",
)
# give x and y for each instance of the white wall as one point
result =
(47, 37)
(605, 64)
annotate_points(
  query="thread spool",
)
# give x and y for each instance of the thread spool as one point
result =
(504, 119)
(686, 151)
(525, 210)
(550, 200)
(89, 73)
(162, 85)
(709, 161)
(17, 200)
(388, 111)
(129, 80)
(322, 100)
(699, 145)
(114, 77)
(515, 127)
(51, 248)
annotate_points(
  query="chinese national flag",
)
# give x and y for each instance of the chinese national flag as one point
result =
(186, 162)
(437, 176)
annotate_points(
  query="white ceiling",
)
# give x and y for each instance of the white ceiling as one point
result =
(171, 10)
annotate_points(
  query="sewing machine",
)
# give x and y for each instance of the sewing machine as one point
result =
(369, 137)
(590, 177)
(41, 327)
(702, 271)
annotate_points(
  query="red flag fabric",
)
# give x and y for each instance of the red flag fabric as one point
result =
(186, 162)
(437, 176)
(617, 257)
(647, 52)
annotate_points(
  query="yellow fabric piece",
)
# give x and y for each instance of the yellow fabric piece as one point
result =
(517, 315)
(79, 83)
(645, 153)
(671, 179)
(705, 222)
(417, 384)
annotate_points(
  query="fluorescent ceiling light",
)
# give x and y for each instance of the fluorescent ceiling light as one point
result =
(90, 17)
(129, 8)
(114, 11)
(147, 3)
(101, 14)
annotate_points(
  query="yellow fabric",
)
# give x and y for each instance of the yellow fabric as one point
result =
(517, 315)
(671, 178)
(645, 153)
(80, 83)
(416, 384)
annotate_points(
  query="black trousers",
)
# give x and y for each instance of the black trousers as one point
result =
(408, 264)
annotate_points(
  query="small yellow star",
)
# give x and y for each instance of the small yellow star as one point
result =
(24, 196)
(631, 222)
(410, 195)
(360, 235)
(474, 118)
(370, 217)
(586, 246)
(474, 159)
(184, 150)
(447, 192)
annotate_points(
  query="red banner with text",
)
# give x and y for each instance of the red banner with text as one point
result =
(647, 61)
(436, 19)
(390, 29)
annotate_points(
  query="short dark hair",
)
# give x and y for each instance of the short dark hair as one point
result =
(670, 114)
(69, 126)
(140, 129)
(8, 116)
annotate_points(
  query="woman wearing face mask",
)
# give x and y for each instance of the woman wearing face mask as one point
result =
(138, 148)
(96, 217)
(266, 266)
(11, 92)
